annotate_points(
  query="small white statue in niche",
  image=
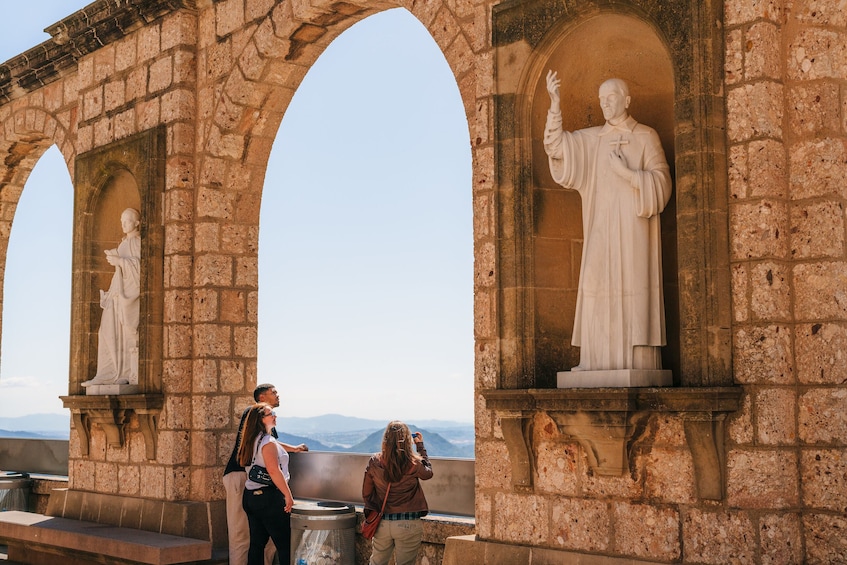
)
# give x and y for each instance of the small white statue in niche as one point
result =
(117, 343)
(623, 178)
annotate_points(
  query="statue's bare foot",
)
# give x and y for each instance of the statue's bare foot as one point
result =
(578, 368)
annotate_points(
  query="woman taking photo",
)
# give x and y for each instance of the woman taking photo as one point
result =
(400, 530)
(268, 507)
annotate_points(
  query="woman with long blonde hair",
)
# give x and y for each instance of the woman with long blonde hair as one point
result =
(400, 531)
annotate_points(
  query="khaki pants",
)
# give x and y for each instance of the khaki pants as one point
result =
(236, 523)
(401, 537)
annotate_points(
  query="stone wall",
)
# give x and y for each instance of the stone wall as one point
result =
(218, 76)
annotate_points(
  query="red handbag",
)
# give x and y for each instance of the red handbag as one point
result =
(372, 518)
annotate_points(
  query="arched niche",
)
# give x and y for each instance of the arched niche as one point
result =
(671, 58)
(125, 174)
(584, 55)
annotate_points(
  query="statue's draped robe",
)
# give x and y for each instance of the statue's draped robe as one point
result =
(619, 301)
(117, 349)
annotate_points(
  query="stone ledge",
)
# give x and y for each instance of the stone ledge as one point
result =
(25, 532)
(468, 550)
(608, 421)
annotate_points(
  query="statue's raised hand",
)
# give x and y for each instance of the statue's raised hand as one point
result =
(553, 83)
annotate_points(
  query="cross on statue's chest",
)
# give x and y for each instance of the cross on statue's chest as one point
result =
(618, 142)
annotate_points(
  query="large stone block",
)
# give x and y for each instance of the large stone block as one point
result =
(825, 540)
(763, 355)
(762, 478)
(717, 537)
(824, 476)
(557, 468)
(647, 531)
(776, 410)
(823, 416)
(817, 167)
(762, 58)
(522, 518)
(813, 109)
(669, 476)
(759, 230)
(755, 110)
(819, 291)
(821, 351)
(817, 229)
(780, 539)
(581, 524)
(770, 294)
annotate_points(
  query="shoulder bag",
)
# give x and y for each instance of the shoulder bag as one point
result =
(257, 473)
(373, 518)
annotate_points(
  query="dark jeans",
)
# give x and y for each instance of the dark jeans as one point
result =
(267, 517)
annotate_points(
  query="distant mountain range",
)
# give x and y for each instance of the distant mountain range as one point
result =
(334, 432)
(330, 432)
(44, 426)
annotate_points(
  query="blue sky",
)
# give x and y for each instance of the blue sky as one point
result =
(365, 247)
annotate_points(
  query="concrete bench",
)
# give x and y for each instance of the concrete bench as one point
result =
(28, 533)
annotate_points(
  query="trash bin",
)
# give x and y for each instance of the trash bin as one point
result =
(14, 490)
(323, 533)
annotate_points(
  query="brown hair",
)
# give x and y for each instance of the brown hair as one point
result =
(250, 431)
(397, 454)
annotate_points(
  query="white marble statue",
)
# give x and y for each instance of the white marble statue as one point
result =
(623, 178)
(117, 344)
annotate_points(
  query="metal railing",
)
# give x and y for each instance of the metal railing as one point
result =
(317, 475)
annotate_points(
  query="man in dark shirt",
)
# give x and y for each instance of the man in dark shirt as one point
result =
(233, 481)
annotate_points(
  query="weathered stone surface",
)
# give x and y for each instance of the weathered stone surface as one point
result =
(776, 410)
(740, 424)
(820, 292)
(780, 539)
(743, 11)
(717, 538)
(770, 298)
(740, 292)
(557, 468)
(823, 416)
(759, 230)
(669, 476)
(499, 475)
(762, 479)
(755, 111)
(581, 524)
(821, 351)
(762, 46)
(816, 168)
(816, 53)
(824, 476)
(813, 108)
(763, 355)
(825, 540)
(522, 518)
(817, 230)
(646, 531)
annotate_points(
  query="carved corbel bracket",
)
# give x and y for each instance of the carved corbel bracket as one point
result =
(605, 436)
(516, 433)
(704, 432)
(112, 421)
(112, 414)
(607, 421)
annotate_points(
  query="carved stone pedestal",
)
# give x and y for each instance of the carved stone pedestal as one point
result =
(105, 390)
(614, 378)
